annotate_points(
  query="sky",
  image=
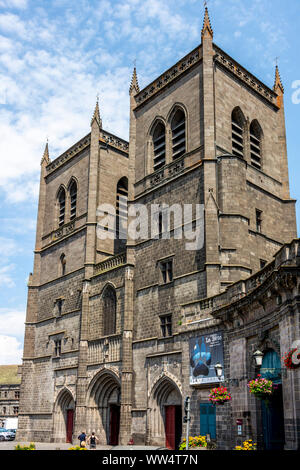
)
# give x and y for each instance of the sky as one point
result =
(56, 56)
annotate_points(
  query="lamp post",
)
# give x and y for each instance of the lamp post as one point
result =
(187, 419)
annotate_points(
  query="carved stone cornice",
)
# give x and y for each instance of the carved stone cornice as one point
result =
(169, 76)
(106, 138)
(70, 153)
(244, 76)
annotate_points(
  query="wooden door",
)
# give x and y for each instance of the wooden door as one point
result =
(170, 426)
(114, 426)
(70, 420)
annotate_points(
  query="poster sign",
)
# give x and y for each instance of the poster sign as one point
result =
(205, 352)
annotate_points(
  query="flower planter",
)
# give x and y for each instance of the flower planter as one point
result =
(261, 388)
(292, 359)
(262, 396)
(219, 396)
(197, 448)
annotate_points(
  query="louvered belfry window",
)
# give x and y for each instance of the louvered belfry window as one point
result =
(159, 146)
(62, 207)
(73, 196)
(178, 134)
(237, 125)
(255, 144)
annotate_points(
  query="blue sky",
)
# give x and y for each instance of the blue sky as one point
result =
(57, 55)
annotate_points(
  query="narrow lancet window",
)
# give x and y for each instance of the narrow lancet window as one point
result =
(237, 126)
(109, 311)
(159, 146)
(73, 199)
(121, 209)
(178, 134)
(62, 207)
(255, 144)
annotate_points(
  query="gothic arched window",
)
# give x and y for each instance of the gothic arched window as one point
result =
(159, 146)
(61, 206)
(73, 199)
(238, 131)
(178, 134)
(255, 144)
(109, 311)
(121, 209)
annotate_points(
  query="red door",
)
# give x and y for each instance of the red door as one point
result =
(114, 425)
(70, 418)
(170, 426)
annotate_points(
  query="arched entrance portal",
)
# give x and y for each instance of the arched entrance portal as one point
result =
(165, 418)
(103, 407)
(272, 412)
(63, 420)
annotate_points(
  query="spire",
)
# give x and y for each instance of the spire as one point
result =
(134, 85)
(46, 157)
(96, 115)
(278, 86)
(207, 29)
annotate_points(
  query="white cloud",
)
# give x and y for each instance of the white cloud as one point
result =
(11, 23)
(13, 4)
(11, 350)
(8, 247)
(17, 225)
(6, 279)
(12, 322)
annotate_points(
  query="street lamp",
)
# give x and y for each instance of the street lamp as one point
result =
(219, 370)
(258, 356)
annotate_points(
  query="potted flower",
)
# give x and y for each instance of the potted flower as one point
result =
(219, 395)
(261, 388)
(195, 443)
(247, 445)
(288, 359)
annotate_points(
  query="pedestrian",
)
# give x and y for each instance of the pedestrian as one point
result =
(92, 440)
(82, 438)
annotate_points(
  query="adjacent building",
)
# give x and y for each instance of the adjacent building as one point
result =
(10, 379)
(113, 323)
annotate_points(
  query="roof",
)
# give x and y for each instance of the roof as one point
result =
(9, 375)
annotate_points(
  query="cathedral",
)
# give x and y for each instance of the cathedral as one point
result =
(121, 329)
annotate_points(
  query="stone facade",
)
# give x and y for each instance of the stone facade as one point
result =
(108, 326)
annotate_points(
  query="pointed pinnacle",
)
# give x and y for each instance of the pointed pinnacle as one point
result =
(134, 85)
(46, 157)
(278, 83)
(96, 115)
(207, 29)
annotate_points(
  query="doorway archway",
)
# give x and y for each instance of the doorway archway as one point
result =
(165, 417)
(103, 407)
(63, 417)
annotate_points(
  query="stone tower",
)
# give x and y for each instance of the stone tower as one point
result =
(104, 349)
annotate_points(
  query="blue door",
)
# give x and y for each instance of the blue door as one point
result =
(272, 412)
(208, 420)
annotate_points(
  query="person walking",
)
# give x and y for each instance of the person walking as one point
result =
(82, 439)
(92, 440)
